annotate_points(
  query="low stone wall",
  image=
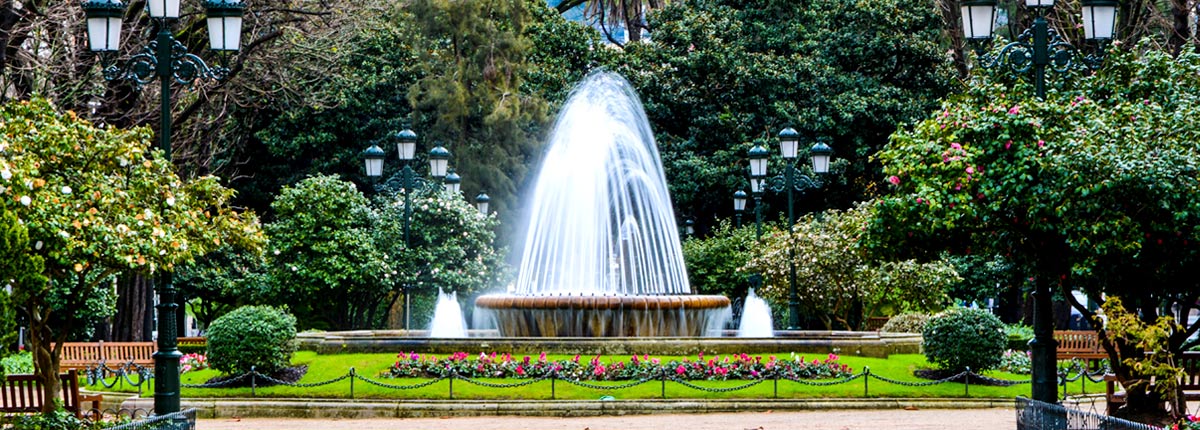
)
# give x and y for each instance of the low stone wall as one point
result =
(866, 344)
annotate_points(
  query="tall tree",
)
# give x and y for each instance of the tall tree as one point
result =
(1094, 188)
(471, 98)
(98, 202)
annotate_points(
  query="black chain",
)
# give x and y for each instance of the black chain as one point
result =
(222, 384)
(399, 387)
(495, 385)
(1000, 382)
(919, 384)
(823, 383)
(717, 390)
(607, 387)
(294, 384)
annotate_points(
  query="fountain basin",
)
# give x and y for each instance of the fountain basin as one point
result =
(604, 315)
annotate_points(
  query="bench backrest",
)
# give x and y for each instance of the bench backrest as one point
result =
(1190, 362)
(23, 393)
(1077, 340)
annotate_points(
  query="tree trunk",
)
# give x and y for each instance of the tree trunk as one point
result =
(45, 358)
(129, 323)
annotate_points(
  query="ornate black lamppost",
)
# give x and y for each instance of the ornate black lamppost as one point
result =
(481, 202)
(407, 181)
(1036, 49)
(166, 60)
(792, 181)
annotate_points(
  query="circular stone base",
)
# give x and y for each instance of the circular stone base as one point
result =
(605, 316)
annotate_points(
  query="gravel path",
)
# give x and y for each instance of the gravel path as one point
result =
(926, 419)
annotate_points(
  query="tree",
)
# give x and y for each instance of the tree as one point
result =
(629, 15)
(723, 75)
(471, 98)
(96, 202)
(1094, 188)
(451, 246)
(837, 282)
(221, 281)
(325, 266)
(713, 262)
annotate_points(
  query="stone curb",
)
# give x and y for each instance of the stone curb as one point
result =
(337, 408)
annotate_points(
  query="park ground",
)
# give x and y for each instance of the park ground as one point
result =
(919, 419)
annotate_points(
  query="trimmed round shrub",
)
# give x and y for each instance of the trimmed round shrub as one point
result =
(960, 338)
(906, 323)
(259, 336)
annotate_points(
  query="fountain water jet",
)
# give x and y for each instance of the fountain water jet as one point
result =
(756, 318)
(602, 255)
(448, 321)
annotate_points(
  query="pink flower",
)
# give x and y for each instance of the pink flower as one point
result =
(520, 370)
(970, 170)
(680, 370)
(1015, 110)
(1008, 144)
(895, 180)
(1041, 143)
(955, 145)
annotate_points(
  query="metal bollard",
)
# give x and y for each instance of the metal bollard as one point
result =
(866, 379)
(253, 382)
(967, 384)
(351, 382)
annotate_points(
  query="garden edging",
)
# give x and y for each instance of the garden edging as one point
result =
(341, 408)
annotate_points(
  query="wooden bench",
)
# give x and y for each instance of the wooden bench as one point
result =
(24, 394)
(1081, 344)
(1190, 362)
(82, 355)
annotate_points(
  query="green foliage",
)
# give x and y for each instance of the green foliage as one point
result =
(837, 282)
(325, 265)
(95, 202)
(57, 420)
(722, 75)
(222, 280)
(1019, 336)
(470, 96)
(1151, 364)
(1016, 361)
(908, 322)
(21, 362)
(962, 338)
(713, 261)
(261, 337)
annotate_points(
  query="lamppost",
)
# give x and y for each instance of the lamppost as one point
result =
(689, 228)
(1035, 49)
(739, 206)
(166, 60)
(792, 181)
(481, 202)
(406, 147)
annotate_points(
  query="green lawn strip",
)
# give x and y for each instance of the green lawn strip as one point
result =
(373, 366)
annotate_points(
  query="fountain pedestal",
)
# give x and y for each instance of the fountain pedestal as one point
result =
(606, 316)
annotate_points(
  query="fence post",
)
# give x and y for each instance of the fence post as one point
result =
(967, 384)
(253, 382)
(866, 380)
(553, 374)
(776, 382)
(452, 374)
(351, 382)
(664, 382)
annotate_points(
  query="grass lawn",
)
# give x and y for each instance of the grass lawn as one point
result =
(327, 367)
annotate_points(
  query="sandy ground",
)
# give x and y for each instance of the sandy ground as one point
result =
(966, 419)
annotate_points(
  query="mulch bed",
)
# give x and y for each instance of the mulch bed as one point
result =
(288, 374)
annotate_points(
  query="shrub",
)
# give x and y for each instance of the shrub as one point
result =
(909, 322)
(258, 336)
(1019, 336)
(960, 338)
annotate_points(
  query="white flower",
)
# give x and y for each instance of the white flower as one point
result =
(66, 189)
(25, 200)
(38, 245)
(5, 174)
(276, 252)
(171, 201)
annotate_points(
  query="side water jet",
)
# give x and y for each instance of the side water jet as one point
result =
(448, 321)
(602, 255)
(756, 318)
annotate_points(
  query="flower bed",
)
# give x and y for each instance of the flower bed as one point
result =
(717, 368)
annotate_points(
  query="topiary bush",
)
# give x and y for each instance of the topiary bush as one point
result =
(960, 338)
(909, 322)
(259, 336)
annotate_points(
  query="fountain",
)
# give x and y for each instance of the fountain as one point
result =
(602, 256)
(756, 317)
(448, 321)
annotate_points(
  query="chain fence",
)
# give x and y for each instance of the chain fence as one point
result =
(101, 375)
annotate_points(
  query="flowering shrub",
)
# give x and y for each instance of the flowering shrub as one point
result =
(719, 368)
(1014, 361)
(193, 361)
(1188, 422)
